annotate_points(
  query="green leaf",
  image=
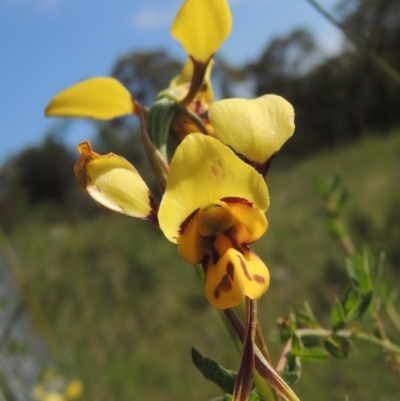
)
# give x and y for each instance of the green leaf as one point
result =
(338, 317)
(296, 345)
(312, 354)
(292, 371)
(337, 346)
(362, 307)
(286, 328)
(341, 200)
(333, 229)
(211, 370)
(253, 396)
(361, 269)
(351, 301)
(326, 185)
(304, 320)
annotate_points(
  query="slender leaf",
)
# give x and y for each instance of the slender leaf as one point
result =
(338, 317)
(312, 354)
(211, 370)
(338, 347)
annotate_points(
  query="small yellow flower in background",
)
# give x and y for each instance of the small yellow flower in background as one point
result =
(255, 129)
(54, 387)
(213, 208)
(74, 389)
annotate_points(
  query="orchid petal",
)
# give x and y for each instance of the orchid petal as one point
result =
(101, 98)
(114, 183)
(201, 26)
(203, 171)
(254, 128)
(234, 276)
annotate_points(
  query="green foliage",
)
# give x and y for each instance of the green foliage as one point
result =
(125, 307)
(211, 370)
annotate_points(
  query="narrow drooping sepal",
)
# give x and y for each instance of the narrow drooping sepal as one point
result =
(115, 184)
(101, 98)
(244, 378)
(256, 129)
(201, 26)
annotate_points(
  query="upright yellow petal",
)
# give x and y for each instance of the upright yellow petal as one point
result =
(203, 171)
(201, 26)
(101, 98)
(114, 183)
(254, 128)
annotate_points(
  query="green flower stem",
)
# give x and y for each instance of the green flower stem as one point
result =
(264, 390)
(384, 343)
(378, 61)
(393, 315)
(196, 120)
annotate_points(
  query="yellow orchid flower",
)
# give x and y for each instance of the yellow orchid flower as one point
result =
(101, 98)
(115, 184)
(213, 208)
(255, 129)
(201, 26)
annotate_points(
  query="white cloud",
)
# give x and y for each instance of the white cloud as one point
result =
(152, 18)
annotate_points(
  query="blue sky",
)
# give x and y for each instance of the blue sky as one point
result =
(47, 45)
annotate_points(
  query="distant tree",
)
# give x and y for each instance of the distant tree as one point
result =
(38, 175)
(345, 96)
(146, 73)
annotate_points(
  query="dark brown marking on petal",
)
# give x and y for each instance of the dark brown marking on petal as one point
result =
(214, 251)
(244, 267)
(230, 270)
(152, 217)
(224, 286)
(186, 222)
(259, 279)
(235, 199)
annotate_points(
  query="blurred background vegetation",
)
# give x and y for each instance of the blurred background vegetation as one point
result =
(124, 310)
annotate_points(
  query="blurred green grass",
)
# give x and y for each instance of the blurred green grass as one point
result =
(125, 310)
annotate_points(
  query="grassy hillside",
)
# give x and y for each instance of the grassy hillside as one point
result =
(124, 310)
